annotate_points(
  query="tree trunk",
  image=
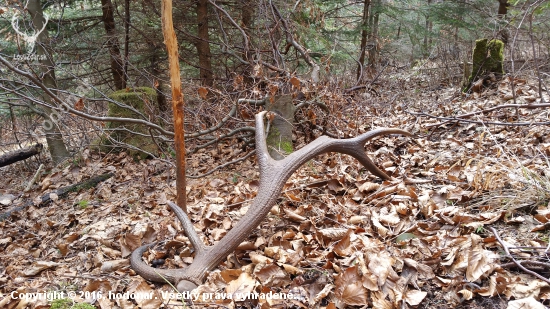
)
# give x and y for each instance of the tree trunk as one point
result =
(364, 37)
(54, 138)
(247, 14)
(373, 37)
(427, 34)
(203, 44)
(126, 37)
(61, 192)
(158, 84)
(503, 7)
(502, 11)
(112, 45)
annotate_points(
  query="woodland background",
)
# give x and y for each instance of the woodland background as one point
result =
(462, 223)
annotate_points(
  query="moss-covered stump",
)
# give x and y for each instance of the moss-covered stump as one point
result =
(279, 139)
(142, 100)
(488, 57)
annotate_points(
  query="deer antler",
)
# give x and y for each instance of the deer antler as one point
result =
(273, 176)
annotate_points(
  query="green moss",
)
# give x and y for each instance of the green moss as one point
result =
(142, 99)
(275, 141)
(134, 97)
(66, 303)
(496, 56)
(83, 204)
(488, 57)
(286, 146)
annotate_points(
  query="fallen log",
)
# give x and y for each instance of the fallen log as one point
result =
(21, 154)
(61, 192)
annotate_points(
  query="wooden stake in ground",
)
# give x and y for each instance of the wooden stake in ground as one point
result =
(171, 43)
(21, 154)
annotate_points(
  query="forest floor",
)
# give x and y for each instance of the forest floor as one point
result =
(432, 237)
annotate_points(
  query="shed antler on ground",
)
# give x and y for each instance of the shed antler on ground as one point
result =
(273, 175)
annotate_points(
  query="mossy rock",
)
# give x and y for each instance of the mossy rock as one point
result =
(139, 98)
(488, 57)
(143, 100)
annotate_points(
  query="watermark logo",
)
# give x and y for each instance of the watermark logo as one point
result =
(30, 39)
(74, 100)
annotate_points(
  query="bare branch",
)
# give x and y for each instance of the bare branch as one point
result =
(248, 155)
(290, 39)
(518, 263)
(66, 107)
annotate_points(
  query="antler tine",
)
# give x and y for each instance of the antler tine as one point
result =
(188, 228)
(359, 153)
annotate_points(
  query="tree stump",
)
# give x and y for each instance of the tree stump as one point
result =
(279, 139)
(143, 100)
(488, 57)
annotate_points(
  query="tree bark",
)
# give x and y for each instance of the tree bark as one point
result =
(427, 34)
(247, 14)
(113, 45)
(502, 11)
(54, 138)
(364, 37)
(177, 101)
(126, 37)
(373, 37)
(503, 7)
(203, 44)
(19, 155)
(158, 84)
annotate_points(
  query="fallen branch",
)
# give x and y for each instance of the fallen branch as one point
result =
(222, 166)
(62, 192)
(518, 263)
(19, 155)
(251, 131)
(458, 119)
(34, 178)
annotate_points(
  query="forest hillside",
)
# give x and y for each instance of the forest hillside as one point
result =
(275, 154)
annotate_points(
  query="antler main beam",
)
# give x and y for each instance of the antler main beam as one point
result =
(273, 176)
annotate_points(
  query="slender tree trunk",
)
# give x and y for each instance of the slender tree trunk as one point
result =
(112, 44)
(364, 37)
(157, 81)
(373, 37)
(503, 7)
(247, 15)
(126, 38)
(502, 11)
(427, 34)
(203, 44)
(177, 101)
(54, 138)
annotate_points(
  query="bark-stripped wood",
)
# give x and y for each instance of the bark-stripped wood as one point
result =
(171, 43)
